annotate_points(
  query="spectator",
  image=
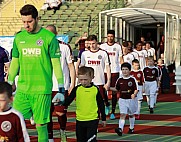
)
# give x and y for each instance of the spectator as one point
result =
(52, 4)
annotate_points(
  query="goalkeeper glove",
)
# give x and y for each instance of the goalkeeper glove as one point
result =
(59, 97)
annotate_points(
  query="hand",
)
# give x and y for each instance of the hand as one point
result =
(133, 96)
(107, 86)
(70, 89)
(104, 123)
(58, 99)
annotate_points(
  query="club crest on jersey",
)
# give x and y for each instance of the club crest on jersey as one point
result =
(6, 126)
(153, 71)
(114, 49)
(128, 58)
(99, 57)
(130, 84)
(39, 42)
(139, 75)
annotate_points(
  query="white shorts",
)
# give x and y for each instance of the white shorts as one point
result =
(128, 106)
(150, 87)
(140, 93)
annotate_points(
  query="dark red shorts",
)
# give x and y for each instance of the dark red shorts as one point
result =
(114, 78)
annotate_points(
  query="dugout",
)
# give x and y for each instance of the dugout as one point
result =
(130, 23)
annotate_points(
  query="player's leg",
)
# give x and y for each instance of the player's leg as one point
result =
(155, 99)
(81, 131)
(123, 111)
(132, 108)
(92, 130)
(41, 104)
(105, 98)
(114, 77)
(61, 112)
(153, 89)
(147, 93)
(50, 124)
(139, 99)
(22, 104)
(131, 122)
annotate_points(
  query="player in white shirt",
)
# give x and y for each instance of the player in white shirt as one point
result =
(67, 64)
(142, 54)
(79, 56)
(130, 50)
(127, 57)
(115, 54)
(99, 60)
(150, 50)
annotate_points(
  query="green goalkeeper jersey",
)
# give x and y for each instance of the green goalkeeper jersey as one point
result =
(34, 52)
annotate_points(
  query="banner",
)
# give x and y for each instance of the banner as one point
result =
(7, 41)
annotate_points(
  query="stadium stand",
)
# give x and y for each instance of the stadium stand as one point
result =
(79, 17)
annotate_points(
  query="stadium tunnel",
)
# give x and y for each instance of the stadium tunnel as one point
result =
(130, 23)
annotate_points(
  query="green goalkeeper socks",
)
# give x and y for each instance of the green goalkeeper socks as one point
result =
(42, 133)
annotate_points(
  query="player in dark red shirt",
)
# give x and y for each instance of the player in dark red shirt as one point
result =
(13, 128)
(138, 74)
(151, 75)
(128, 88)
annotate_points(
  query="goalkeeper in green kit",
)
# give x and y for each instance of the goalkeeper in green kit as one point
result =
(35, 55)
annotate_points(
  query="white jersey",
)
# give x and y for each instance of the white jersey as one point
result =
(135, 54)
(151, 52)
(142, 58)
(98, 61)
(65, 59)
(128, 58)
(115, 52)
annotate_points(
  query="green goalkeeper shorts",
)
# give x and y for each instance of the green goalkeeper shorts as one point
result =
(36, 105)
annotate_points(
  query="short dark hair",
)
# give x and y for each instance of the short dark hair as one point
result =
(6, 88)
(92, 37)
(150, 58)
(111, 32)
(126, 65)
(135, 61)
(29, 10)
(125, 43)
(148, 42)
(137, 42)
(53, 28)
(86, 70)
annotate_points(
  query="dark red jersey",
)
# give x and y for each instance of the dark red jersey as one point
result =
(126, 87)
(138, 75)
(150, 73)
(13, 128)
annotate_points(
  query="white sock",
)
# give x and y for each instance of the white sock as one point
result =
(131, 121)
(156, 98)
(148, 99)
(152, 100)
(139, 107)
(50, 140)
(121, 123)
